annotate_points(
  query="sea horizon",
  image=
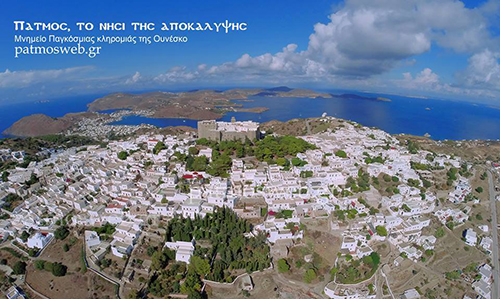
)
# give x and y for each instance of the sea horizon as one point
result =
(440, 118)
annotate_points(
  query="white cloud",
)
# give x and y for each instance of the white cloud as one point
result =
(20, 79)
(425, 77)
(428, 82)
(366, 38)
(134, 79)
(362, 40)
(483, 70)
(288, 61)
(176, 74)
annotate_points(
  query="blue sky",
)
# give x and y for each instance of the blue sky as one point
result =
(272, 25)
(443, 48)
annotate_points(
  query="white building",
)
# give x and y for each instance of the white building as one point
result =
(470, 237)
(39, 240)
(183, 250)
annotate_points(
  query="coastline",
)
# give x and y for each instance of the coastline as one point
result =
(400, 115)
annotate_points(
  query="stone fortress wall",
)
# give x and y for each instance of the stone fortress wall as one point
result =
(225, 131)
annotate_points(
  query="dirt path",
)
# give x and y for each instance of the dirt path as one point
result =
(308, 126)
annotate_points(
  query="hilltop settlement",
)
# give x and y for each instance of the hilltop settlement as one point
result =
(239, 209)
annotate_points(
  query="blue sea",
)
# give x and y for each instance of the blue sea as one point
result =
(442, 119)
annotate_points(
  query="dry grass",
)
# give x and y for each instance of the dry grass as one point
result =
(75, 284)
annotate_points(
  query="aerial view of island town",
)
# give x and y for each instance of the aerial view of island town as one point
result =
(311, 173)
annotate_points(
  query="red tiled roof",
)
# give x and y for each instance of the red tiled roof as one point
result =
(114, 205)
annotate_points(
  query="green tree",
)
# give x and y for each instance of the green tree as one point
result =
(341, 154)
(122, 155)
(193, 151)
(200, 163)
(33, 180)
(61, 233)
(310, 275)
(282, 162)
(134, 294)
(426, 183)
(386, 177)
(381, 230)
(283, 266)
(298, 162)
(195, 295)
(450, 224)
(220, 165)
(5, 176)
(225, 231)
(201, 266)
(412, 147)
(33, 251)
(453, 275)
(306, 174)
(105, 263)
(159, 147)
(203, 141)
(40, 264)
(192, 283)
(470, 268)
(19, 268)
(375, 258)
(439, 232)
(24, 236)
(47, 266)
(158, 261)
(59, 269)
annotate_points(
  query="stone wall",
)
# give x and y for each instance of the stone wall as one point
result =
(208, 129)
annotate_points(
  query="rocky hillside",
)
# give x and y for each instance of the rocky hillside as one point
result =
(196, 104)
(36, 125)
(41, 124)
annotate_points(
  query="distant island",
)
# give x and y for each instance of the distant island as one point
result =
(195, 104)
(358, 97)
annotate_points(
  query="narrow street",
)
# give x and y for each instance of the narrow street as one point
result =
(387, 282)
